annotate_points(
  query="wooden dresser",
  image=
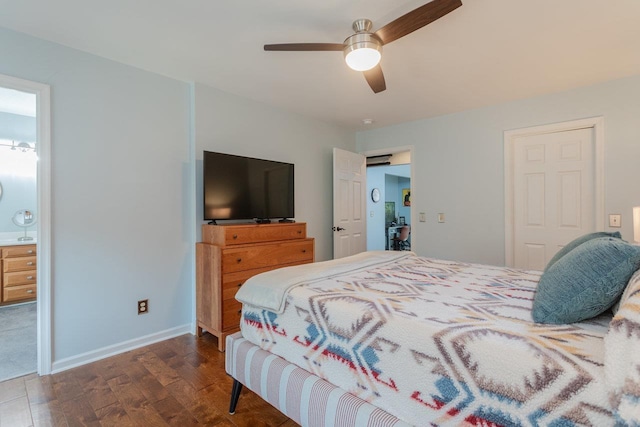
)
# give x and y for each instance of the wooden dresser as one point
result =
(18, 282)
(229, 255)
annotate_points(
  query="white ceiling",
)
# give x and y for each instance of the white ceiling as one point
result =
(486, 52)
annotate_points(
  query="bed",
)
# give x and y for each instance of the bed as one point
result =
(392, 338)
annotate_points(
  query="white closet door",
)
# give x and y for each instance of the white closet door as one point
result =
(554, 187)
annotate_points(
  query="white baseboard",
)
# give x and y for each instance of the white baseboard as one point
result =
(112, 350)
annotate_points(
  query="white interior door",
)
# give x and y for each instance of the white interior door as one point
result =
(349, 203)
(554, 187)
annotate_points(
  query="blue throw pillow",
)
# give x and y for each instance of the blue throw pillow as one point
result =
(585, 282)
(577, 242)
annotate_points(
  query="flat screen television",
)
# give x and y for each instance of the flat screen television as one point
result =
(242, 188)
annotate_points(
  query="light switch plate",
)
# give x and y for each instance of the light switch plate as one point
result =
(615, 220)
(423, 217)
(440, 217)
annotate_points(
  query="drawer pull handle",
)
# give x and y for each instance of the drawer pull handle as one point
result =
(30, 291)
(30, 251)
(29, 277)
(239, 311)
(239, 284)
(235, 236)
(299, 231)
(304, 251)
(30, 263)
(239, 260)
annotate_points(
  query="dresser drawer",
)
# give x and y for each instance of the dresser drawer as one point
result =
(270, 233)
(19, 278)
(19, 264)
(231, 314)
(266, 255)
(17, 293)
(231, 282)
(18, 251)
(245, 234)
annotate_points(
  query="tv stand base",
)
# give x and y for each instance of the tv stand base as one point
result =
(287, 220)
(263, 221)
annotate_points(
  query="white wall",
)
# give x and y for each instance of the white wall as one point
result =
(121, 219)
(458, 161)
(230, 124)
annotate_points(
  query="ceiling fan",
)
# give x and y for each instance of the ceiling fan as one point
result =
(363, 50)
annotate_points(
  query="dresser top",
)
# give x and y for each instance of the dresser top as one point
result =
(15, 242)
(239, 234)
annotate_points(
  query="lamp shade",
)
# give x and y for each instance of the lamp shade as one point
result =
(636, 224)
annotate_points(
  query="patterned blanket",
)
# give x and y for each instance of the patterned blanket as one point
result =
(622, 356)
(442, 343)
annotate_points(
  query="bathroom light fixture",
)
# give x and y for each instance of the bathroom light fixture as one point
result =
(22, 146)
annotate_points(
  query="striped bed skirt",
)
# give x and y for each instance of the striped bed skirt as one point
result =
(300, 395)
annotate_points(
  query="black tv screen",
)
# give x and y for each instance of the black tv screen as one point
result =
(237, 187)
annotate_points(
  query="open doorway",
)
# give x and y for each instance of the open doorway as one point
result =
(24, 228)
(18, 237)
(389, 205)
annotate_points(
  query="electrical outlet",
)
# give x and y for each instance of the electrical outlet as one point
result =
(615, 220)
(440, 217)
(423, 217)
(143, 306)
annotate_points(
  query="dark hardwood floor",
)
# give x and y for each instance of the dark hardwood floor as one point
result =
(178, 382)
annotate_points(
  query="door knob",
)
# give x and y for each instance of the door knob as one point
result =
(338, 229)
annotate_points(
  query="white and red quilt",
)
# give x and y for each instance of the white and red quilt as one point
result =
(438, 343)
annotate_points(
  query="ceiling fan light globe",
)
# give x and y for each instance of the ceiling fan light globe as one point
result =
(362, 51)
(363, 59)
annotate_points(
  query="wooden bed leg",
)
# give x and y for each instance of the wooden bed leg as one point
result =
(235, 394)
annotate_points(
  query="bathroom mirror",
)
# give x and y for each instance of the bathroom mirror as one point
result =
(24, 218)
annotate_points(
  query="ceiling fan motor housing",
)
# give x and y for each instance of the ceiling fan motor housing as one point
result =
(362, 40)
(362, 25)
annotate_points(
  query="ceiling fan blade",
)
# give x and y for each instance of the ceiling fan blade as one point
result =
(416, 19)
(375, 78)
(305, 47)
